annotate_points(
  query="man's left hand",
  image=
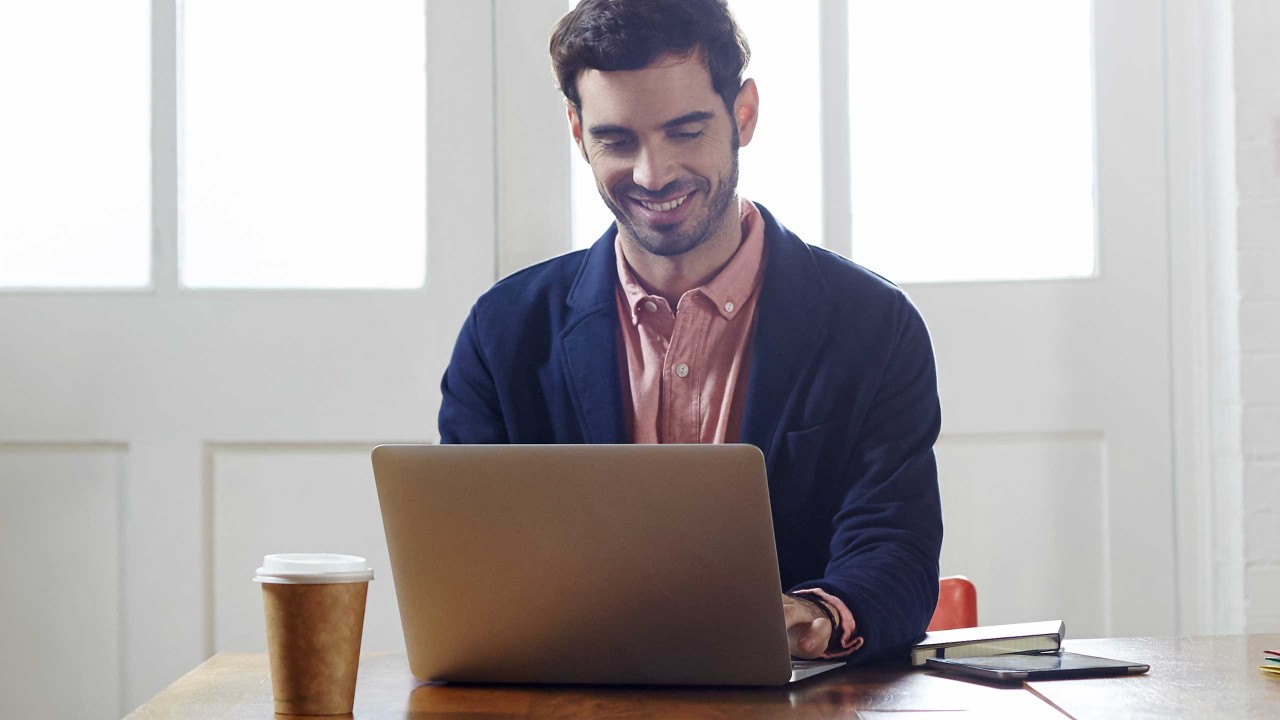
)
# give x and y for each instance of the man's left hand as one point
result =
(808, 630)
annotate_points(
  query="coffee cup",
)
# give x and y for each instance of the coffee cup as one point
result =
(314, 606)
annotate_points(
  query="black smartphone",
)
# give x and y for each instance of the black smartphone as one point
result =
(1035, 666)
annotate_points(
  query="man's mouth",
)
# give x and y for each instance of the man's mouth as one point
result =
(663, 206)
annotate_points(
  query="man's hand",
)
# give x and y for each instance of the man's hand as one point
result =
(808, 630)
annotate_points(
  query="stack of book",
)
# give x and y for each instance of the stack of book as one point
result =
(1032, 637)
(1270, 662)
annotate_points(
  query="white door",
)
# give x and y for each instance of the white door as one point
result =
(1055, 455)
(156, 442)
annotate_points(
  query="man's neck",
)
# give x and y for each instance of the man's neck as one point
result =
(670, 277)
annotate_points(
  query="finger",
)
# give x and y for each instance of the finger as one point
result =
(818, 636)
(796, 640)
(809, 641)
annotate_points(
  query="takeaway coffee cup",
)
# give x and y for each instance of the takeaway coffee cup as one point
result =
(315, 616)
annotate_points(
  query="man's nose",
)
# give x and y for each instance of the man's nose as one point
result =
(655, 168)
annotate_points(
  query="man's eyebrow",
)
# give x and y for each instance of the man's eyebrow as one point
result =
(599, 130)
(693, 117)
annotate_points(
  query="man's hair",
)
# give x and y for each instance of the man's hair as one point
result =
(611, 35)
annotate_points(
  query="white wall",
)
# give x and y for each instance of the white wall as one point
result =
(1257, 216)
(1221, 538)
(1238, 182)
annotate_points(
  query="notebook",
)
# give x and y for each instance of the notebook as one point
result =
(986, 641)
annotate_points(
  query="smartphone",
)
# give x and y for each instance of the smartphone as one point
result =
(1036, 666)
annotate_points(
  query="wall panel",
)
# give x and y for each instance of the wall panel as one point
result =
(60, 588)
(1026, 519)
(264, 499)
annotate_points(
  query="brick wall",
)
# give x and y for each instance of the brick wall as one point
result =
(1257, 160)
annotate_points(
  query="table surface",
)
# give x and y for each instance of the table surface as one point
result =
(1196, 677)
(1190, 677)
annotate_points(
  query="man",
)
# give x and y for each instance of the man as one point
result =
(699, 318)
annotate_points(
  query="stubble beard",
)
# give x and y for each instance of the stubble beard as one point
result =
(669, 244)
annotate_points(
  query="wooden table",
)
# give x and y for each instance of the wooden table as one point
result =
(1190, 677)
(1198, 677)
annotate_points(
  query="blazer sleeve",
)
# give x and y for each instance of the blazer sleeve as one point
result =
(469, 408)
(887, 533)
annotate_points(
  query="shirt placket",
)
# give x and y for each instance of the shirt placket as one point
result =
(683, 370)
(655, 323)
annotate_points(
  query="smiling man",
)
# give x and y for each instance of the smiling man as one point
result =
(698, 318)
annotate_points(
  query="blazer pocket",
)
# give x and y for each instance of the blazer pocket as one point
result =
(807, 457)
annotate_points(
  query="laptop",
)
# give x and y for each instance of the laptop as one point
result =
(586, 564)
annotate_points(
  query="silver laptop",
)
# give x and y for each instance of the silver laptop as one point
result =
(627, 564)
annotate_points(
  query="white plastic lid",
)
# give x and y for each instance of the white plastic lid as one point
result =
(313, 569)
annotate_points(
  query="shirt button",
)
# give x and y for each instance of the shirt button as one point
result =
(728, 307)
(682, 370)
(651, 306)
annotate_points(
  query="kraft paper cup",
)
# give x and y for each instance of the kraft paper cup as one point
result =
(314, 607)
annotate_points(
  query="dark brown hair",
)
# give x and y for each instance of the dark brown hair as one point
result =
(613, 35)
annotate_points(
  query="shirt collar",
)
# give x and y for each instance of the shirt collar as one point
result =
(632, 291)
(728, 290)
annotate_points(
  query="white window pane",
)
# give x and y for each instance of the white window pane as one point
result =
(972, 139)
(75, 157)
(304, 148)
(781, 167)
(588, 213)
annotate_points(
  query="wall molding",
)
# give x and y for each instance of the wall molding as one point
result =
(1198, 91)
(120, 451)
(210, 451)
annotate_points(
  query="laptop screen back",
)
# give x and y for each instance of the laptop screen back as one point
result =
(650, 564)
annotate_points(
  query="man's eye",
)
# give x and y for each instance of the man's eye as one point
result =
(689, 135)
(615, 144)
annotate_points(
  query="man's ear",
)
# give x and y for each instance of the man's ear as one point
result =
(575, 127)
(746, 110)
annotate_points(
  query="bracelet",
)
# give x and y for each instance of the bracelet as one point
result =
(813, 599)
(834, 645)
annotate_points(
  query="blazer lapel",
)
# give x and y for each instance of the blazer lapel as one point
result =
(590, 346)
(791, 319)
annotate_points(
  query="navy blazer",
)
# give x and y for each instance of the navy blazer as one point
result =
(842, 400)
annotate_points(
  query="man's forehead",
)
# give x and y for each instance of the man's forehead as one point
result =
(670, 87)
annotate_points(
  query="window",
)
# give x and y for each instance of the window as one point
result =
(971, 129)
(75, 173)
(303, 156)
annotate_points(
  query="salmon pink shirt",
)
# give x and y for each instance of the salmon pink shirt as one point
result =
(687, 368)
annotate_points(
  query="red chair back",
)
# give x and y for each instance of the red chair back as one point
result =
(957, 604)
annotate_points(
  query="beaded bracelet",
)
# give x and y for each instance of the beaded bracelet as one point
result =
(833, 643)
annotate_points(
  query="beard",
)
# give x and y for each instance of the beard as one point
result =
(666, 240)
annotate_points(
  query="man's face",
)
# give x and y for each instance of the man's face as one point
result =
(663, 149)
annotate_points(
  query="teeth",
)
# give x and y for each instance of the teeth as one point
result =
(663, 207)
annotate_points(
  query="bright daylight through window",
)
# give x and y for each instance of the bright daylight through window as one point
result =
(75, 155)
(972, 139)
(303, 157)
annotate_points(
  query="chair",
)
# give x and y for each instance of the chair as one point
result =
(957, 604)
